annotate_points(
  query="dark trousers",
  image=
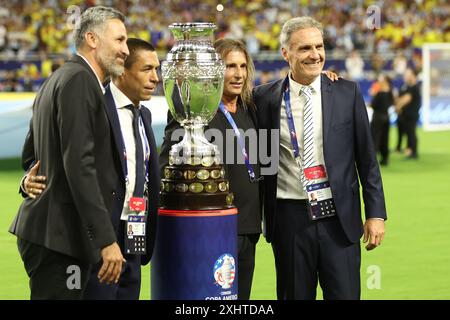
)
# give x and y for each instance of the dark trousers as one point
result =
(246, 264)
(380, 134)
(53, 275)
(410, 131)
(401, 132)
(129, 285)
(310, 251)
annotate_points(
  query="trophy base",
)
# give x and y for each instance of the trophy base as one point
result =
(197, 186)
(191, 252)
(172, 201)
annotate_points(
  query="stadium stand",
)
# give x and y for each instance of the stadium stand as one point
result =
(35, 36)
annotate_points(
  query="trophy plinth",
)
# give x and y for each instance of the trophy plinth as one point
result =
(193, 84)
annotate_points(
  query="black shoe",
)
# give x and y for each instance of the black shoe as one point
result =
(412, 157)
(383, 162)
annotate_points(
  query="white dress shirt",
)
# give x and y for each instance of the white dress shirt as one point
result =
(126, 125)
(289, 185)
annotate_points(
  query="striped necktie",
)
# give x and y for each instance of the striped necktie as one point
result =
(309, 158)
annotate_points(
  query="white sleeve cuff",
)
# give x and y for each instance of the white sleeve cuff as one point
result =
(22, 184)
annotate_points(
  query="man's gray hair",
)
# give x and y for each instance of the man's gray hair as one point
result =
(94, 19)
(295, 24)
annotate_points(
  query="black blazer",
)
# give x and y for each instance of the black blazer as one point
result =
(348, 151)
(153, 178)
(71, 135)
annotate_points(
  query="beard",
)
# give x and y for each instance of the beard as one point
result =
(109, 64)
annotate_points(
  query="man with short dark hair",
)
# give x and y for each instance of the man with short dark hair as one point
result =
(123, 99)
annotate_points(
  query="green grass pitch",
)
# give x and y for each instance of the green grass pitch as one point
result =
(412, 263)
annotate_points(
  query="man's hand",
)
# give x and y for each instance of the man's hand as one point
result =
(331, 75)
(373, 232)
(402, 101)
(34, 184)
(112, 264)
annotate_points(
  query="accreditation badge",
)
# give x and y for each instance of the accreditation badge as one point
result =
(135, 235)
(137, 204)
(315, 173)
(320, 201)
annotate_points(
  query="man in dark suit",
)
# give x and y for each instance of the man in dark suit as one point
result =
(136, 84)
(124, 94)
(325, 146)
(68, 227)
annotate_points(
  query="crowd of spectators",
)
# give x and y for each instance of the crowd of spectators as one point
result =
(41, 30)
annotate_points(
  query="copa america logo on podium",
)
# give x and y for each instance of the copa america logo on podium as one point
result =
(224, 271)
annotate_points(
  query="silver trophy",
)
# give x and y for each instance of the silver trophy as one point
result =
(193, 83)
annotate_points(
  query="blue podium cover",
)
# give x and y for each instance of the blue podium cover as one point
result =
(195, 255)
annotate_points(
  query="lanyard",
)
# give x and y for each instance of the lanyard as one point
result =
(292, 132)
(290, 119)
(147, 148)
(146, 154)
(251, 172)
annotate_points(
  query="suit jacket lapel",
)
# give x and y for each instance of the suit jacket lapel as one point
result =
(147, 121)
(275, 103)
(113, 117)
(77, 59)
(327, 107)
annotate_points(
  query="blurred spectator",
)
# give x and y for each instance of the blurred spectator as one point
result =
(377, 63)
(2, 37)
(400, 64)
(355, 66)
(12, 83)
(381, 102)
(407, 106)
(265, 77)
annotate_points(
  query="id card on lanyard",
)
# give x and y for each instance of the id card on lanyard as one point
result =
(135, 227)
(135, 242)
(320, 201)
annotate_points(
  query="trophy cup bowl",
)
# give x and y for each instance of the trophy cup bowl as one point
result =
(193, 76)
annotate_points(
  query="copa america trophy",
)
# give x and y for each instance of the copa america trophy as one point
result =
(193, 83)
(195, 251)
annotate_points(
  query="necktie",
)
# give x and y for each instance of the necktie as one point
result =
(308, 133)
(140, 171)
